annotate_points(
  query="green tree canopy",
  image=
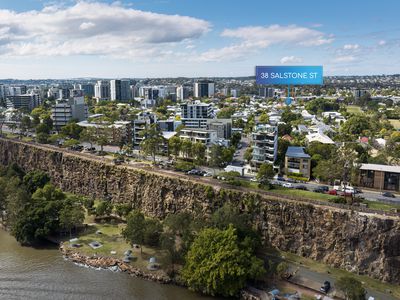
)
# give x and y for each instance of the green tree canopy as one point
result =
(351, 288)
(218, 264)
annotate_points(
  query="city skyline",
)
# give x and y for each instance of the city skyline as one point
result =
(194, 39)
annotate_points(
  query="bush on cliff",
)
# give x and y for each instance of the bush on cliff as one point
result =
(218, 263)
(351, 288)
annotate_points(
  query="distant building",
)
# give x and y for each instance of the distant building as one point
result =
(182, 93)
(27, 101)
(234, 93)
(198, 135)
(223, 127)
(204, 88)
(297, 161)
(66, 110)
(102, 90)
(266, 92)
(168, 125)
(265, 145)
(195, 114)
(380, 177)
(143, 121)
(120, 90)
(88, 89)
(358, 93)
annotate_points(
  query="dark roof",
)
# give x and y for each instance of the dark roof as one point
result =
(297, 152)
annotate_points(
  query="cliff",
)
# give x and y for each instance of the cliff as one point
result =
(360, 242)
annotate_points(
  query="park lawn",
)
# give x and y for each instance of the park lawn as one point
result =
(380, 205)
(368, 282)
(304, 194)
(354, 109)
(27, 139)
(395, 123)
(112, 240)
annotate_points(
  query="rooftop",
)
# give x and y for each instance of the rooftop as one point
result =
(383, 168)
(297, 152)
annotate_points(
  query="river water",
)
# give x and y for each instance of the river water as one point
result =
(28, 273)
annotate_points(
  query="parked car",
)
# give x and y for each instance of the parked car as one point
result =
(388, 194)
(301, 187)
(319, 190)
(326, 287)
(287, 185)
(207, 174)
(332, 192)
(291, 180)
(253, 179)
(325, 188)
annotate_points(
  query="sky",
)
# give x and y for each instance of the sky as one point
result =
(195, 38)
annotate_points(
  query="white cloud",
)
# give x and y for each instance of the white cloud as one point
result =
(351, 46)
(87, 25)
(93, 28)
(291, 59)
(345, 59)
(254, 38)
(382, 43)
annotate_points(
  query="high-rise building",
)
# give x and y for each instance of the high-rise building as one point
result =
(102, 90)
(88, 89)
(27, 101)
(204, 88)
(266, 92)
(265, 145)
(195, 114)
(182, 93)
(66, 110)
(119, 90)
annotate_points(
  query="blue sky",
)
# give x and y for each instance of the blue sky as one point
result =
(169, 38)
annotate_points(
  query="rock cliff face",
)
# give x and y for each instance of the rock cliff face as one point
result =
(359, 242)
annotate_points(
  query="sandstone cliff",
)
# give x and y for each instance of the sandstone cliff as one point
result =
(360, 242)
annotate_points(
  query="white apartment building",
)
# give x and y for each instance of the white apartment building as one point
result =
(265, 145)
(102, 90)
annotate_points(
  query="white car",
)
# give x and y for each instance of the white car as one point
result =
(287, 185)
(253, 179)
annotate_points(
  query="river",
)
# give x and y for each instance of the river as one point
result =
(28, 273)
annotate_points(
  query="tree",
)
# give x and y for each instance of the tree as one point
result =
(122, 210)
(282, 269)
(248, 154)
(104, 208)
(227, 154)
(186, 148)
(351, 288)
(35, 179)
(88, 135)
(42, 137)
(174, 145)
(215, 156)
(72, 130)
(71, 216)
(356, 125)
(152, 232)
(235, 139)
(199, 152)
(152, 141)
(40, 217)
(135, 226)
(26, 124)
(265, 171)
(218, 264)
(43, 128)
(264, 118)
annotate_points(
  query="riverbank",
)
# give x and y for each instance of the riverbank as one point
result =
(100, 262)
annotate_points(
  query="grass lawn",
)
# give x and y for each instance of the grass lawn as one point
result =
(354, 109)
(368, 282)
(395, 123)
(112, 240)
(381, 206)
(304, 194)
